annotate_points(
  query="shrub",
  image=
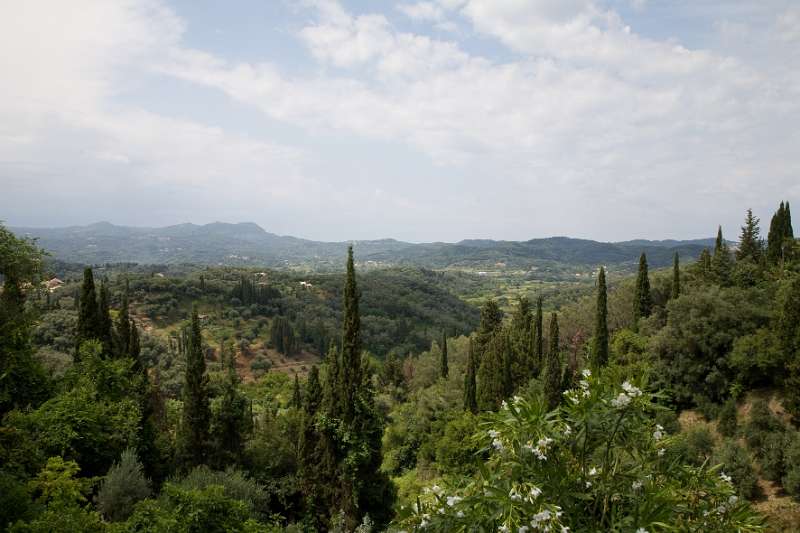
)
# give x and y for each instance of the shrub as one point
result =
(760, 423)
(771, 455)
(122, 488)
(598, 463)
(735, 462)
(235, 484)
(698, 445)
(726, 422)
(791, 480)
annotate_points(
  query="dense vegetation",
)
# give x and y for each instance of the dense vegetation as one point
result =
(142, 398)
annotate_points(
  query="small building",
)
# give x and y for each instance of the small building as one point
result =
(53, 284)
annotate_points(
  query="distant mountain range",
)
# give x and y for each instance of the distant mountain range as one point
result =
(248, 244)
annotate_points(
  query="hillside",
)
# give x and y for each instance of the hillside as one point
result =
(249, 244)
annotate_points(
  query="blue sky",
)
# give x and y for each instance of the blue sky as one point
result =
(419, 120)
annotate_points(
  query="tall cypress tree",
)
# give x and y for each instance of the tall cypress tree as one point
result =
(88, 320)
(788, 332)
(470, 389)
(490, 324)
(721, 264)
(520, 347)
(104, 321)
(750, 247)
(444, 366)
(788, 231)
(195, 424)
(297, 398)
(123, 326)
(350, 370)
(232, 421)
(775, 236)
(309, 452)
(491, 376)
(538, 338)
(642, 301)
(676, 276)
(600, 343)
(553, 370)
(364, 488)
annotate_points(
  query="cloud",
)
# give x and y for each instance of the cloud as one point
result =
(585, 126)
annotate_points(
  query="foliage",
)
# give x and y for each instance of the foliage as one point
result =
(727, 421)
(123, 486)
(736, 463)
(594, 464)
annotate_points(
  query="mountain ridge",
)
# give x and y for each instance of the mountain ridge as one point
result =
(248, 243)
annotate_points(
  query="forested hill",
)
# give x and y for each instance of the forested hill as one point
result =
(249, 244)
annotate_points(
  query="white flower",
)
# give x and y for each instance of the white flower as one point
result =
(593, 471)
(493, 433)
(536, 492)
(460, 514)
(584, 384)
(733, 499)
(631, 390)
(498, 445)
(636, 485)
(641, 530)
(661, 451)
(517, 399)
(586, 373)
(725, 477)
(514, 495)
(543, 443)
(437, 490)
(441, 510)
(523, 529)
(659, 432)
(588, 484)
(621, 401)
(538, 518)
(503, 529)
(423, 524)
(564, 529)
(567, 430)
(452, 500)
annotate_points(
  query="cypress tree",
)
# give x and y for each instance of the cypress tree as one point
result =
(134, 347)
(490, 324)
(775, 236)
(232, 420)
(470, 399)
(676, 276)
(538, 338)
(194, 428)
(491, 376)
(704, 263)
(553, 370)
(297, 399)
(363, 487)
(642, 301)
(123, 326)
(309, 452)
(444, 367)
(88, 320)
(104, 320)
(788, 232)
(350, 370)
(520, 342)
(721, 264)
(750, 247)
(600, 344)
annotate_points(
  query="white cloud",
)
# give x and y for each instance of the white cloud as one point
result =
(585, 114)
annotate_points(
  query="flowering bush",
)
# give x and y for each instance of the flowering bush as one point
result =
(597, 463)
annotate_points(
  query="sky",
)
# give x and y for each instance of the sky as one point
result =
(430, 120)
